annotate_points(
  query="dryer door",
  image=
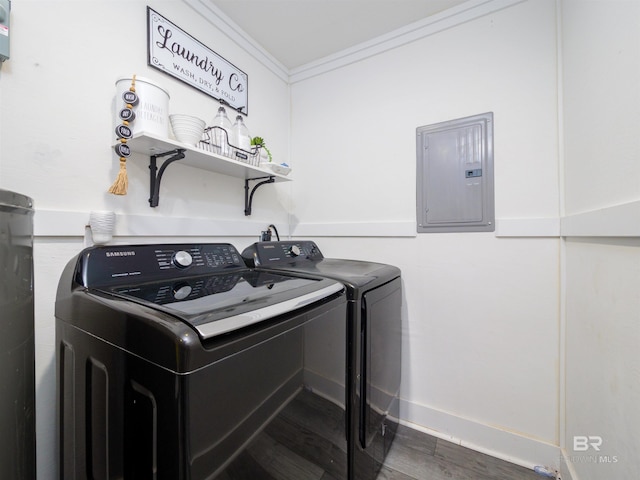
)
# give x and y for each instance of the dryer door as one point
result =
(380, 366)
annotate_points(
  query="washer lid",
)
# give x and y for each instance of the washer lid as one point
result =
(304, 257)
(220, 303)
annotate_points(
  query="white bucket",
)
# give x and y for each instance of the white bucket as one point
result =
(152, 110)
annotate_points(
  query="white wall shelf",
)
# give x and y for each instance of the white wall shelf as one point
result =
(157, 148)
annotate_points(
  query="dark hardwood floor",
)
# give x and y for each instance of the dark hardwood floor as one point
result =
(306, 441)
(417, 456)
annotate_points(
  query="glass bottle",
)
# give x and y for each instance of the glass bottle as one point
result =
(222, 136)
(241, 139)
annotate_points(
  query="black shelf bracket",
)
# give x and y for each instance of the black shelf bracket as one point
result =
(155, 174)
(248, 197)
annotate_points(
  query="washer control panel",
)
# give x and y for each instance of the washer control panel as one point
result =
(124, 264)
(265, 254)
(171, 290)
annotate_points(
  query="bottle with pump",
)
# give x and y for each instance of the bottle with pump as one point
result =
(220, 138)
(241, 138)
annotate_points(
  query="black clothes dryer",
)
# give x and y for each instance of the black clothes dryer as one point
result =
(178, 362)
(374, 293)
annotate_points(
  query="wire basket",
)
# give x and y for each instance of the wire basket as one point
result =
(216, 140)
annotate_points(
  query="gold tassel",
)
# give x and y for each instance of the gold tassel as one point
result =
(121, 184)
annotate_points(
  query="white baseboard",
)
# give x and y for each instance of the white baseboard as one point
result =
(509, 446)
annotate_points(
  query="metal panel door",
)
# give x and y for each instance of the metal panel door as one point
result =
(455, 175)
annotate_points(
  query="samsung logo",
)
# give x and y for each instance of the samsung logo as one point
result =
(126, 253)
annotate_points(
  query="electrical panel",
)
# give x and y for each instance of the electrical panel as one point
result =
(455, 175)
(5, 8)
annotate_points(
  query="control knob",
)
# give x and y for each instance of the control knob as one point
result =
(182, 259)
(294, 251)
(181, 291)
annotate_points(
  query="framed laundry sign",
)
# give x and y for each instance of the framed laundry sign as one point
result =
(176, 53)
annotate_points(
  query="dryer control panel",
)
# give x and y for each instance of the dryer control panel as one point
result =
(273, 254)
(121, 265)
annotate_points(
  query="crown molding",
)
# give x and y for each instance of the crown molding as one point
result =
(227, 26)
(415, 31)
(436, 23)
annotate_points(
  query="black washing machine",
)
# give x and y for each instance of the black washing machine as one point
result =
(178, 362)
(374, 293)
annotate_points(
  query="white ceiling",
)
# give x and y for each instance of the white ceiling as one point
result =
(297, 32)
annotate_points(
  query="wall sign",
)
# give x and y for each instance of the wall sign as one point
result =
(176, 53)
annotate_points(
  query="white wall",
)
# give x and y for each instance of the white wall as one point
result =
(603, 366)
(481, 345)
(355, 126)
(484, 333)
(601, 97)
(56, 134)
(601, 63)
(57, 123)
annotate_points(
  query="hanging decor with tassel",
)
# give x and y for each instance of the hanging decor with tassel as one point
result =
(124, 133)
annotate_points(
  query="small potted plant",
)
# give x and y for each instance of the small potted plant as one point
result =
(265, 154)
